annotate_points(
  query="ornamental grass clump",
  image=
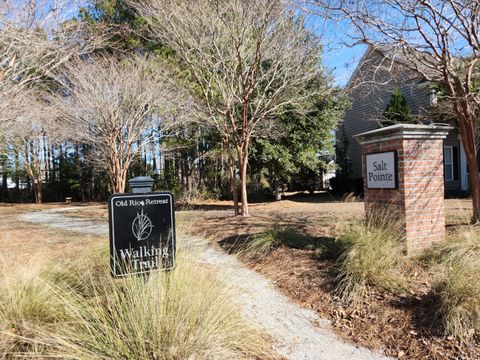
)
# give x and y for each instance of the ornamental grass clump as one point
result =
(25, 305)
(457, 285)
(371, 256)
(184, 314)
(263, 243)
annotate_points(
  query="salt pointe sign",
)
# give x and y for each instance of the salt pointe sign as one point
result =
(381, 170)
(403, 177)
(142, 233)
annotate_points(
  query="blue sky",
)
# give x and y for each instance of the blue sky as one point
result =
(341, 61)
(339, 57)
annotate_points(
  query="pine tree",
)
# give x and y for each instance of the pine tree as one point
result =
(397, 110)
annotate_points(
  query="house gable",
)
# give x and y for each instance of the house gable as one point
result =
(369, 90)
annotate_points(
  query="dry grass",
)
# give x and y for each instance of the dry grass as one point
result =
(372, 254)
(261, 244)
(458, 211)
(76, 310)
(27, 244)
(457, 285)
(25, 304)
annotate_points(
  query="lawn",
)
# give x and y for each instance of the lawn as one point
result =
(25, 243)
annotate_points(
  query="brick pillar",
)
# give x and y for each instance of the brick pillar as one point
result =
(415, 193)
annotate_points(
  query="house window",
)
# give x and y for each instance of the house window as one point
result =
(433, 97)
(448, 161)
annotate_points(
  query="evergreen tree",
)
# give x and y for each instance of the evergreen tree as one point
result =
(297, 158)
(397, 110)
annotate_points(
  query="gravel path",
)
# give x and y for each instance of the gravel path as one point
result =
(300, 334)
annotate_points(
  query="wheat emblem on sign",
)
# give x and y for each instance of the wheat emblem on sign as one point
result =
(141, 226)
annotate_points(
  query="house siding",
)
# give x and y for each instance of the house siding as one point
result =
(370, 90)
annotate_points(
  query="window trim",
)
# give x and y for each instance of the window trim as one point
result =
(451, 163)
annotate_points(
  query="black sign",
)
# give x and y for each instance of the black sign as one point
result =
(142, 233)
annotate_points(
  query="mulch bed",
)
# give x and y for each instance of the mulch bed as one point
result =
(399, 325)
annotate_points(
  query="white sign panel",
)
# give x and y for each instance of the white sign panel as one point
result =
(381, 170)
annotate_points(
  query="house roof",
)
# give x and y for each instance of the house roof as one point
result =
(394, 55)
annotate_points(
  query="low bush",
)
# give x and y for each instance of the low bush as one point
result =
(457, 285)
(80, 312)
(371, 255)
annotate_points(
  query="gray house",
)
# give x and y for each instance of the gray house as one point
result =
(370, 90)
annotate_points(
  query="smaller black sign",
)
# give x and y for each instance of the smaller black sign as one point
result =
(142, 233)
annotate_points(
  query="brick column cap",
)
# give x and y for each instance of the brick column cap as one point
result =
(404, 131)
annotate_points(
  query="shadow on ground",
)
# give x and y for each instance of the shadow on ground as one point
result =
(323, 246)
(300, 197)
(322, 197)
(202, 207)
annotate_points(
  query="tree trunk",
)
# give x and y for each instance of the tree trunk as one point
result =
(233, 185)
(475, 186)
(467, 132)
(61, 175)
(17, 177)
(37, 188)
(45, 157)
(4, 185)
(49, 161)
(242, 153)
(122, 184)
(4, 192)
(278, 192)
(53, 173)
(120, 181)
(243, 165)
(231, 175)
(189, 166)
(243, 188)
(36, 181)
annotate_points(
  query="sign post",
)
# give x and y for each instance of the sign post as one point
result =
(142, 232)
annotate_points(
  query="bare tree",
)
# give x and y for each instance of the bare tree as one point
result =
(439, 40)
(250, 60)
(34, 121)
(37, 37)
(114, 105)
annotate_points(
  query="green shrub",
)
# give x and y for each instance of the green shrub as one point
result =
(371, 255)
(207, 193)
(184, 314)
(457, 285)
